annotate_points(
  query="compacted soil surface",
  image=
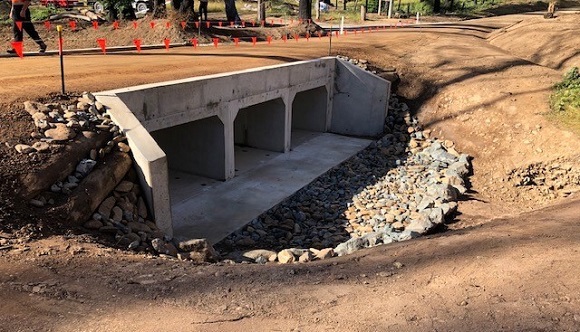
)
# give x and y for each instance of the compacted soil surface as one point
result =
(510, 261)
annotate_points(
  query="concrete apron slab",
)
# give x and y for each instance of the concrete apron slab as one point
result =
(221, 208)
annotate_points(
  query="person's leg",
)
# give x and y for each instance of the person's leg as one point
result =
(31, 31)
(16, 17)
(204, 9)
(16, 32)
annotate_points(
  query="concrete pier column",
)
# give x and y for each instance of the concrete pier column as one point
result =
(227, 116)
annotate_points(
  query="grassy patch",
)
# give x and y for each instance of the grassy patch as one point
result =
(37, 13)
(565, 100)
(336, 16)
(214, 6)
(41, 13)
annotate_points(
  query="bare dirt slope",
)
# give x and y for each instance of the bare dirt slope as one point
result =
(537, 40)
(518, 272)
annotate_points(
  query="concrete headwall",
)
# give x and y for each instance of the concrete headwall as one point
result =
(192, 124)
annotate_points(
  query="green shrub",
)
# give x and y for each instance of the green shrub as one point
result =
(565, 100)
(566, 96)
(41, 13)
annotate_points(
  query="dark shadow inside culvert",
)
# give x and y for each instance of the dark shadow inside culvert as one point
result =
(195, 148)
(309, 110)
(261, 126)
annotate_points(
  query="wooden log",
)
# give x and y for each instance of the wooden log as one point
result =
(91, 15)
(61, 164)
(68, 15)
(93, 189)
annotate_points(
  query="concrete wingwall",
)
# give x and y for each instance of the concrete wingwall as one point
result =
(193, 124)
(360, 101)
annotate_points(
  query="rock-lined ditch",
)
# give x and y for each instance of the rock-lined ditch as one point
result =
(403, 185)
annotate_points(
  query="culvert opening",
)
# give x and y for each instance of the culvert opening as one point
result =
(259, 132)
(195, 154)
(309, 114)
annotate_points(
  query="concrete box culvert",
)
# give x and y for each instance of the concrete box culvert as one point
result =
(214, 152)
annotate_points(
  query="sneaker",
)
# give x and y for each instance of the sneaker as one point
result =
(42, 48)
(11, 51)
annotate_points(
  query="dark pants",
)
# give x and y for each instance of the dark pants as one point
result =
(203, 9)
(26, 25)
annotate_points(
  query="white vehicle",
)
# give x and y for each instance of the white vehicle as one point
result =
(140, 6)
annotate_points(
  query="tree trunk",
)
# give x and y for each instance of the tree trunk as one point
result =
(129, 13)
(450, 7)
(96, 187)
(344, 4)
(119, 9)
(187, 9)
(261, 11)
(34, 183)
(159, 8)
(112, 14)
(436, 6)
(305, 10)
(232, 12)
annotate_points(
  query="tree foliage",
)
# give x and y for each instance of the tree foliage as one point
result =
(119, 9)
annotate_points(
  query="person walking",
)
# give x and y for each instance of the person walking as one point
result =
(20, 13)
(203, 9)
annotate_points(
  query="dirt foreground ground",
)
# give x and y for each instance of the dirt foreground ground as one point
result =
(510, 262)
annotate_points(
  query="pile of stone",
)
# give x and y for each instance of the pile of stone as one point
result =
(402, 186)
(551, 179)
(124, 215)
(361, 63)
(60, 122)
(286, 256)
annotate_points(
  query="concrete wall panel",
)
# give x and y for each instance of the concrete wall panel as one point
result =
(252, 83)
(150, 161)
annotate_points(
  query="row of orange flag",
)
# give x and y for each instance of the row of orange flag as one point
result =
(102, 42)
